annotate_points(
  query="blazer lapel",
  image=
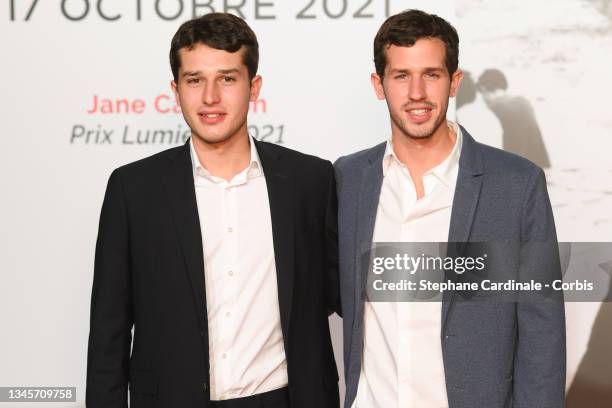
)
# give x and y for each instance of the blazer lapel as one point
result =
(369, 196)
(465, 202)
(179, 184)
(280, 183)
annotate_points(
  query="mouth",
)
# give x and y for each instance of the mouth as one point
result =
(419, 114)
(210, 118)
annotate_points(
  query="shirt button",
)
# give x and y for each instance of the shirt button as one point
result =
(228, 314)
(223, 356)
(231, 273)
(230, 229)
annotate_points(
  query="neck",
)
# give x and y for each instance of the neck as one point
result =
(227, 158)
(423, 154)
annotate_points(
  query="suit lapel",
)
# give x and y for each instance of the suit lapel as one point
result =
(369, 196)
(281, 192)
(465, 203)
(179, 184)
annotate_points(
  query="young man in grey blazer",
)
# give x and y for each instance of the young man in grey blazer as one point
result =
(432, 182)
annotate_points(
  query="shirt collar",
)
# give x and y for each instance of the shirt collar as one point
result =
(254, 169)
(446, 171)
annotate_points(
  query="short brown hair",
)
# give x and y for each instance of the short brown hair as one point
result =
(222, 31)
(405, 28)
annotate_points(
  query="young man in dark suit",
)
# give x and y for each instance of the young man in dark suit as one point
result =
(221, 254)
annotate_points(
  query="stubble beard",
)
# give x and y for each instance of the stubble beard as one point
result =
(424, 133)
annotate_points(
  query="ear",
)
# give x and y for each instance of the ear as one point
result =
(174, 87)
(378, 86)
(455, 82)
(255, 88)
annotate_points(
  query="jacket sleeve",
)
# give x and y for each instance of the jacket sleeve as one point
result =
(540, 358)
(111, 311)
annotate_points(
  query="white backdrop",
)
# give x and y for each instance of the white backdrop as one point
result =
(315, 59)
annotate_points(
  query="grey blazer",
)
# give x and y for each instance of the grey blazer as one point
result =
(496, 355)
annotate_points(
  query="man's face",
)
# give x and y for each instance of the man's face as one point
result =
(417, 87)
(214, 91)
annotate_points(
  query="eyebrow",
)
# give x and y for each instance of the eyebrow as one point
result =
(220, 71)
(229, 71)
(427, 69)
(192, 73)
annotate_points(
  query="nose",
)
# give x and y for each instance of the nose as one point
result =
(416, 88)
(210, 95)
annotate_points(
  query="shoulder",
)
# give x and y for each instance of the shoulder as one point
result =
(506, 174)
(493, 161)
(507, 166)
(359, 159)
(302, 162)
(148, 166)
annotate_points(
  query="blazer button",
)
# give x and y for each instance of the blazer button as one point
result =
(202, 333)
(205, 387)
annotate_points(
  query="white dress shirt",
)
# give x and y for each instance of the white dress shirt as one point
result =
(402, 363)
(245, 340)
